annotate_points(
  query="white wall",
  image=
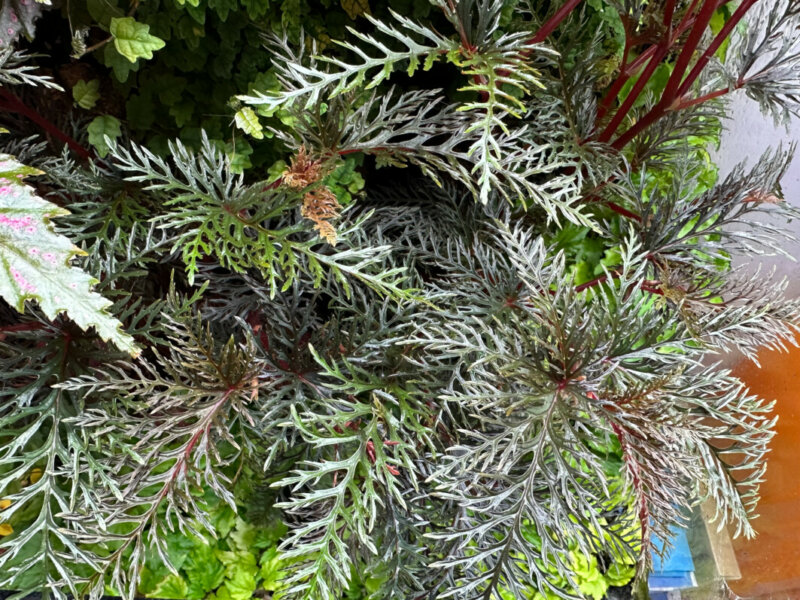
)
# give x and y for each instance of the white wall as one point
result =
(747, 135)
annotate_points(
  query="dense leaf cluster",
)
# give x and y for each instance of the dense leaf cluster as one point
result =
(428, 383)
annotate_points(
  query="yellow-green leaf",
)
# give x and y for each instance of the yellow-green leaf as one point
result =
(133, 39)
(247, 120)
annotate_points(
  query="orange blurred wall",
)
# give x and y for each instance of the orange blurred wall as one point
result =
(770, 563)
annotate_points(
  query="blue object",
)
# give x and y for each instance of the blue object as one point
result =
(676, 571)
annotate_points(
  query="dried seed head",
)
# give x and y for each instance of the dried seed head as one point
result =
(320, 206)
(303, 171)
(763, 197)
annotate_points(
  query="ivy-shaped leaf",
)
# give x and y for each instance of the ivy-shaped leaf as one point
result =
(35, 261)
(133, 39)
(104, 125)
(86, 93)
(122, 66)
(247, 120)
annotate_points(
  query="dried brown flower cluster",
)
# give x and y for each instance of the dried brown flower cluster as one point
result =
(320, 205)
(303, 171)
(763, 197)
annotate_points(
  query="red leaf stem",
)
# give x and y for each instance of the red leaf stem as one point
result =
(715, 45)
(623, 211)
(700, 99)
(695, 35)
(633, 469)
(630, 99)
(550, 25)
(671, 97)
(10, 102)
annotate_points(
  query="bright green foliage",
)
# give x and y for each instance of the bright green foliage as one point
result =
(496, 143)
(36, 261)
(417, 44)
(239, 562)
(132, 39)
(86, 93)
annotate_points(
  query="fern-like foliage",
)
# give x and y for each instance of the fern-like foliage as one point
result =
(492, 151)
(15, 70)
(442, 399)
(213, 214)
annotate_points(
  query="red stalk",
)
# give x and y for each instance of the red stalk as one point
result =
(592, 283)
(10, 102)
(737, 16)
(701, 99)
(550, 25)
(623, 211)
(669, 99)
(669, 12)
(695, 35)
(627, 70)
(620, 115)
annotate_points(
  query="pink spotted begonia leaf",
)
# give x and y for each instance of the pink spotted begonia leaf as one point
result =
(35, 261)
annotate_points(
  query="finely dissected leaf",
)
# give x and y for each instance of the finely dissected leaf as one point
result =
(537, 419)
(99, 128)
(35, 261)
(133, 39)
(247, 120)
(86, 93)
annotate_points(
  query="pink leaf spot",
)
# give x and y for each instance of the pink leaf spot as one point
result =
(24, 284)
(15, 223)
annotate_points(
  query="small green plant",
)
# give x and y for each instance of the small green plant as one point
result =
(459, 335)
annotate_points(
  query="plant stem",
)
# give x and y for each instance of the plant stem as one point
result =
(97, 46)
(715, 45)
(700, 99)
(550, 25)
(623, 211)
(671, 99)
(627, 70)
(10, 102)
(588, 284)
(630, 99)
(695, 35)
